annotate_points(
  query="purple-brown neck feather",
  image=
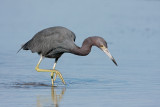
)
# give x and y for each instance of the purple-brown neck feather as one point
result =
(86, 46)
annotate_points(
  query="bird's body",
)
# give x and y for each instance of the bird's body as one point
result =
(51, 42)
(54, 41)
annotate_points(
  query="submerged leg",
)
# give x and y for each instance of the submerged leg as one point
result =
(52, 71)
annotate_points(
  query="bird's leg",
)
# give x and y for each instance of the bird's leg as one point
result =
(52, 71)
(37, 67)
(54, 68)
(56, 73)
(52, 74)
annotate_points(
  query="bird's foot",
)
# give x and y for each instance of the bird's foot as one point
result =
(53, 71)
(54, 74)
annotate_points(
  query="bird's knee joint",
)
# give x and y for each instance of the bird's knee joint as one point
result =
(37, 69)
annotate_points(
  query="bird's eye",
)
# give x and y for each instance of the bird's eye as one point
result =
(101, 45)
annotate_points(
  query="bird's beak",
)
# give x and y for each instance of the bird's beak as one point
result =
(106, 51)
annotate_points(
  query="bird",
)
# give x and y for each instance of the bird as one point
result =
(53, 42)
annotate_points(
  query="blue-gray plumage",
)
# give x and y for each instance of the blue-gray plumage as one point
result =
(54, 41)
(51, 42)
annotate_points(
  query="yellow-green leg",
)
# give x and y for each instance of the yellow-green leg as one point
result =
(53, 71)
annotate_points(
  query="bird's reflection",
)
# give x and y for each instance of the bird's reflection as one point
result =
(53, 100)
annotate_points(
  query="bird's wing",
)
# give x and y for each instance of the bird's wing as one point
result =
(49, 39)
(54, 39)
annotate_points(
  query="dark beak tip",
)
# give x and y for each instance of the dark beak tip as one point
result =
(114, 62)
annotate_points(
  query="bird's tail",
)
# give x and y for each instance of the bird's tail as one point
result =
(24, 47)
(20, 48)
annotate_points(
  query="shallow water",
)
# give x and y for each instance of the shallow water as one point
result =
(131, 29)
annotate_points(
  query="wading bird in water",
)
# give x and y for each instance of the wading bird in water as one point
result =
(54, 41)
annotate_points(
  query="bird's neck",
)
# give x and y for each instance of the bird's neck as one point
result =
(85, 49)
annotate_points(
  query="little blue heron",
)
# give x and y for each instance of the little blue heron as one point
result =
(54, 41)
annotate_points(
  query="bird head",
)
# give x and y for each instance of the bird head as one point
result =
(102, 44)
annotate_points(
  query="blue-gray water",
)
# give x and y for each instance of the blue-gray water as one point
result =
(132, 30)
